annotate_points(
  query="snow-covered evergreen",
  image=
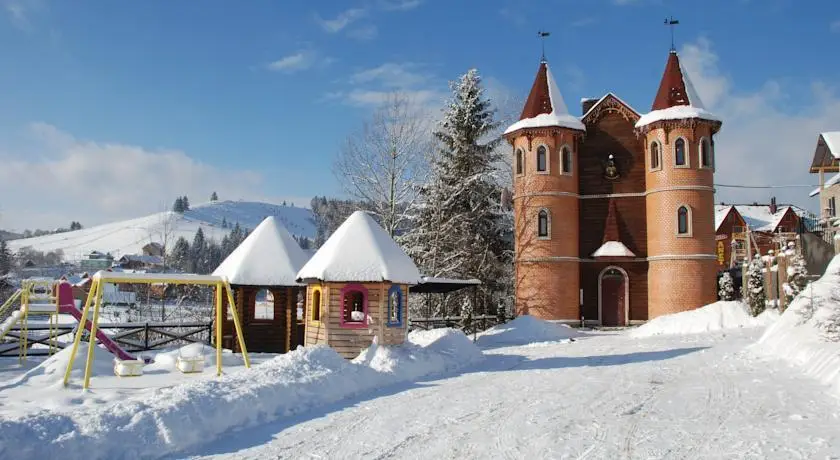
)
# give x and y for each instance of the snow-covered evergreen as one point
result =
(797, 274)
(459, 228)
(727, 287)
(755, 286)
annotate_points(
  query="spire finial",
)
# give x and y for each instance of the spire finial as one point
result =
(671, 23)
(541, 34)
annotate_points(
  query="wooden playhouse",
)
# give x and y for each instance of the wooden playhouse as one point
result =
(262, 273)
(357, 288)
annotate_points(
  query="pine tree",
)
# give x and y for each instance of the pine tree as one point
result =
(459, 225)
(755, 286)
(224, 222)
(214, 197)
(186, 203)
(6, 258)
(797, 274)
(198, 252)
(179, 257)
(727, 287)
(214, 256)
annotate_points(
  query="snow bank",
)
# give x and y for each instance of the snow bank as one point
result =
(184, 416)
(525, 330)
(718, 316)
(808, 333)
(51, 371)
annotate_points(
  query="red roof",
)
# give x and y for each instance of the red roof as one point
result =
(672, 90)
(539, 100)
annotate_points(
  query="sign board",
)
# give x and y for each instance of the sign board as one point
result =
(721, 253)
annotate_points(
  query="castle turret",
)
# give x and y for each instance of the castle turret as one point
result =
(679, 163)
(545, 144)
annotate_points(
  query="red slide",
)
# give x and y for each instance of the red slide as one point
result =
(66, 304)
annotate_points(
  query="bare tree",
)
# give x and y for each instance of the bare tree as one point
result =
(379, 164)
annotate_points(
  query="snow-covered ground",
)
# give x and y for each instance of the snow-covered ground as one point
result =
(718, 316)
(129, 236)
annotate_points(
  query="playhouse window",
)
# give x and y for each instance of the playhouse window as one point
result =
(518, 161)
(395, 308)
(679, 152)
(655, 155)
(264, 305)
(542, 160)
(354, 306)
(316, 305)
(566, 160)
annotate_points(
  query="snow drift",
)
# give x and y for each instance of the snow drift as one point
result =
(717, 316)
(187, 415)
(524, 330)
(808, 333)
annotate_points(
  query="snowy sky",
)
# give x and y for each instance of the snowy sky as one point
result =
(110, 110)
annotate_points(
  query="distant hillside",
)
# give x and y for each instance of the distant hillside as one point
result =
(129, 236)
(4, 235)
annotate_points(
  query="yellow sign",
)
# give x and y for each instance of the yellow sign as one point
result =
(721, 253)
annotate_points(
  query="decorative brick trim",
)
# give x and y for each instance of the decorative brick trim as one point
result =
(675, 188)
(638, 259)
(682, 257)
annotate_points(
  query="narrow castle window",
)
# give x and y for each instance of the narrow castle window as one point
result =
(566, 160)
(316, 305)
(683, 221)
(542, 224)
(655, 155)
(707, 158)
(519, 168)
(679, 152)
(542, 160)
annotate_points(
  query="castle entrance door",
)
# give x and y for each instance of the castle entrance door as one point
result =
(612, 301)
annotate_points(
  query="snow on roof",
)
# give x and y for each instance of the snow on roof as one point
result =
(721, 211)
(559, 115)
(602, 99)
(613, 249)
(434, 279)
(679, 112)
(834, 180)
(832, 140)
(759, 217)
(815, 192)
(360, 250)
(174, 278)
(269, 256)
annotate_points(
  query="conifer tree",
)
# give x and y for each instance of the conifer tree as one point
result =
(178, 206)
(727, 287)
(198, 252)
(459, 224)
(186, 203)
(755, 286)
(214, 197)
(179, 257)
(797, 278)
(6, 257)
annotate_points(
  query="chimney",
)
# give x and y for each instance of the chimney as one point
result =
(773, 207)
(586, 104)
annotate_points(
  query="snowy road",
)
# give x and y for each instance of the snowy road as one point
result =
(607, 396)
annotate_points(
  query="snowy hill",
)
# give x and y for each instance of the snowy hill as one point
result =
(129, 236)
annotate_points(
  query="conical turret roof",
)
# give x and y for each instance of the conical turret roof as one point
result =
(360, 250)
(545, 106)
(676, 98)
(269, 256)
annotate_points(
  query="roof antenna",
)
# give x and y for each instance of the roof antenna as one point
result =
(542, 36)
(671, 23)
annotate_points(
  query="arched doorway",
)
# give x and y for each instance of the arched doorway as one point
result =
(613, 297)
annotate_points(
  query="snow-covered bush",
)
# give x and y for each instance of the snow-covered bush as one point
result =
(726, 289)
(797, 275)
(755, 286)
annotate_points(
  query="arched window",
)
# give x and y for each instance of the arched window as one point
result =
(543, 222)
(354, 306)
(519, 165)
(316, 305)
(680, 158)
(655, 156)
(264, 305)
(566, 160)
(707, 157)
(683, 221)
(542, 159)
(395, 307)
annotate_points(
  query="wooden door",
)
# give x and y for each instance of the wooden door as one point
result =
(613, 298)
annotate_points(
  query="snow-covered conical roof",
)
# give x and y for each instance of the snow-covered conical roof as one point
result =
(360, 250)
(676, 98)
(545, 106)
(269, 256)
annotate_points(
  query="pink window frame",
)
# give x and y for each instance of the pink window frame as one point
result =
(350, 324)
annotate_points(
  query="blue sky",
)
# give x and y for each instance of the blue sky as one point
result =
(254, 98)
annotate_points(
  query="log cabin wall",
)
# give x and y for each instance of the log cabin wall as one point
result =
(261, 335)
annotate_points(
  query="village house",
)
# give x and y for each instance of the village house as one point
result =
(827, 161)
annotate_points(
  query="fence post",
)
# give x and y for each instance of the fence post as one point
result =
(146, 337)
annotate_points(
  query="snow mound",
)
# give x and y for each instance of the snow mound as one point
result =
(184, 416)
(166, 360)
(525, 330)
(51, 371)
(718, 316)
(808, 333)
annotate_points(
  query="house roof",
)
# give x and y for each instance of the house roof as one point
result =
(605, 98)
(545, 106)
(152, 260)
(827, 152)
(269, 256)
(360, 250)
(676, 98)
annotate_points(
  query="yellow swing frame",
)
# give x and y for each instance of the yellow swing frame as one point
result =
(95, 298)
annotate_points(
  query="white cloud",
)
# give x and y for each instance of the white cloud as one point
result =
(763, 141)
(392, 74)
(365, 97)
(399, 5)
(56, 178)
(835, 26)
(301, 60)
(368, 32)
(20, 12)
(341, 21)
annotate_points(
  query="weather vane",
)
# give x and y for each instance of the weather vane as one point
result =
(541, 34)
(671, 23)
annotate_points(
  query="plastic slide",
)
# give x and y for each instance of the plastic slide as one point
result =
(66, 304)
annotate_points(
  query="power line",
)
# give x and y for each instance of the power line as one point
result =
(768, 186)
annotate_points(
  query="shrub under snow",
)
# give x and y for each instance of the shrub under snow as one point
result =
(718, 316)
(524, 330)
(808, 333)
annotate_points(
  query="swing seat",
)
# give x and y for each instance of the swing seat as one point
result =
(128, 368)
(191, 364)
